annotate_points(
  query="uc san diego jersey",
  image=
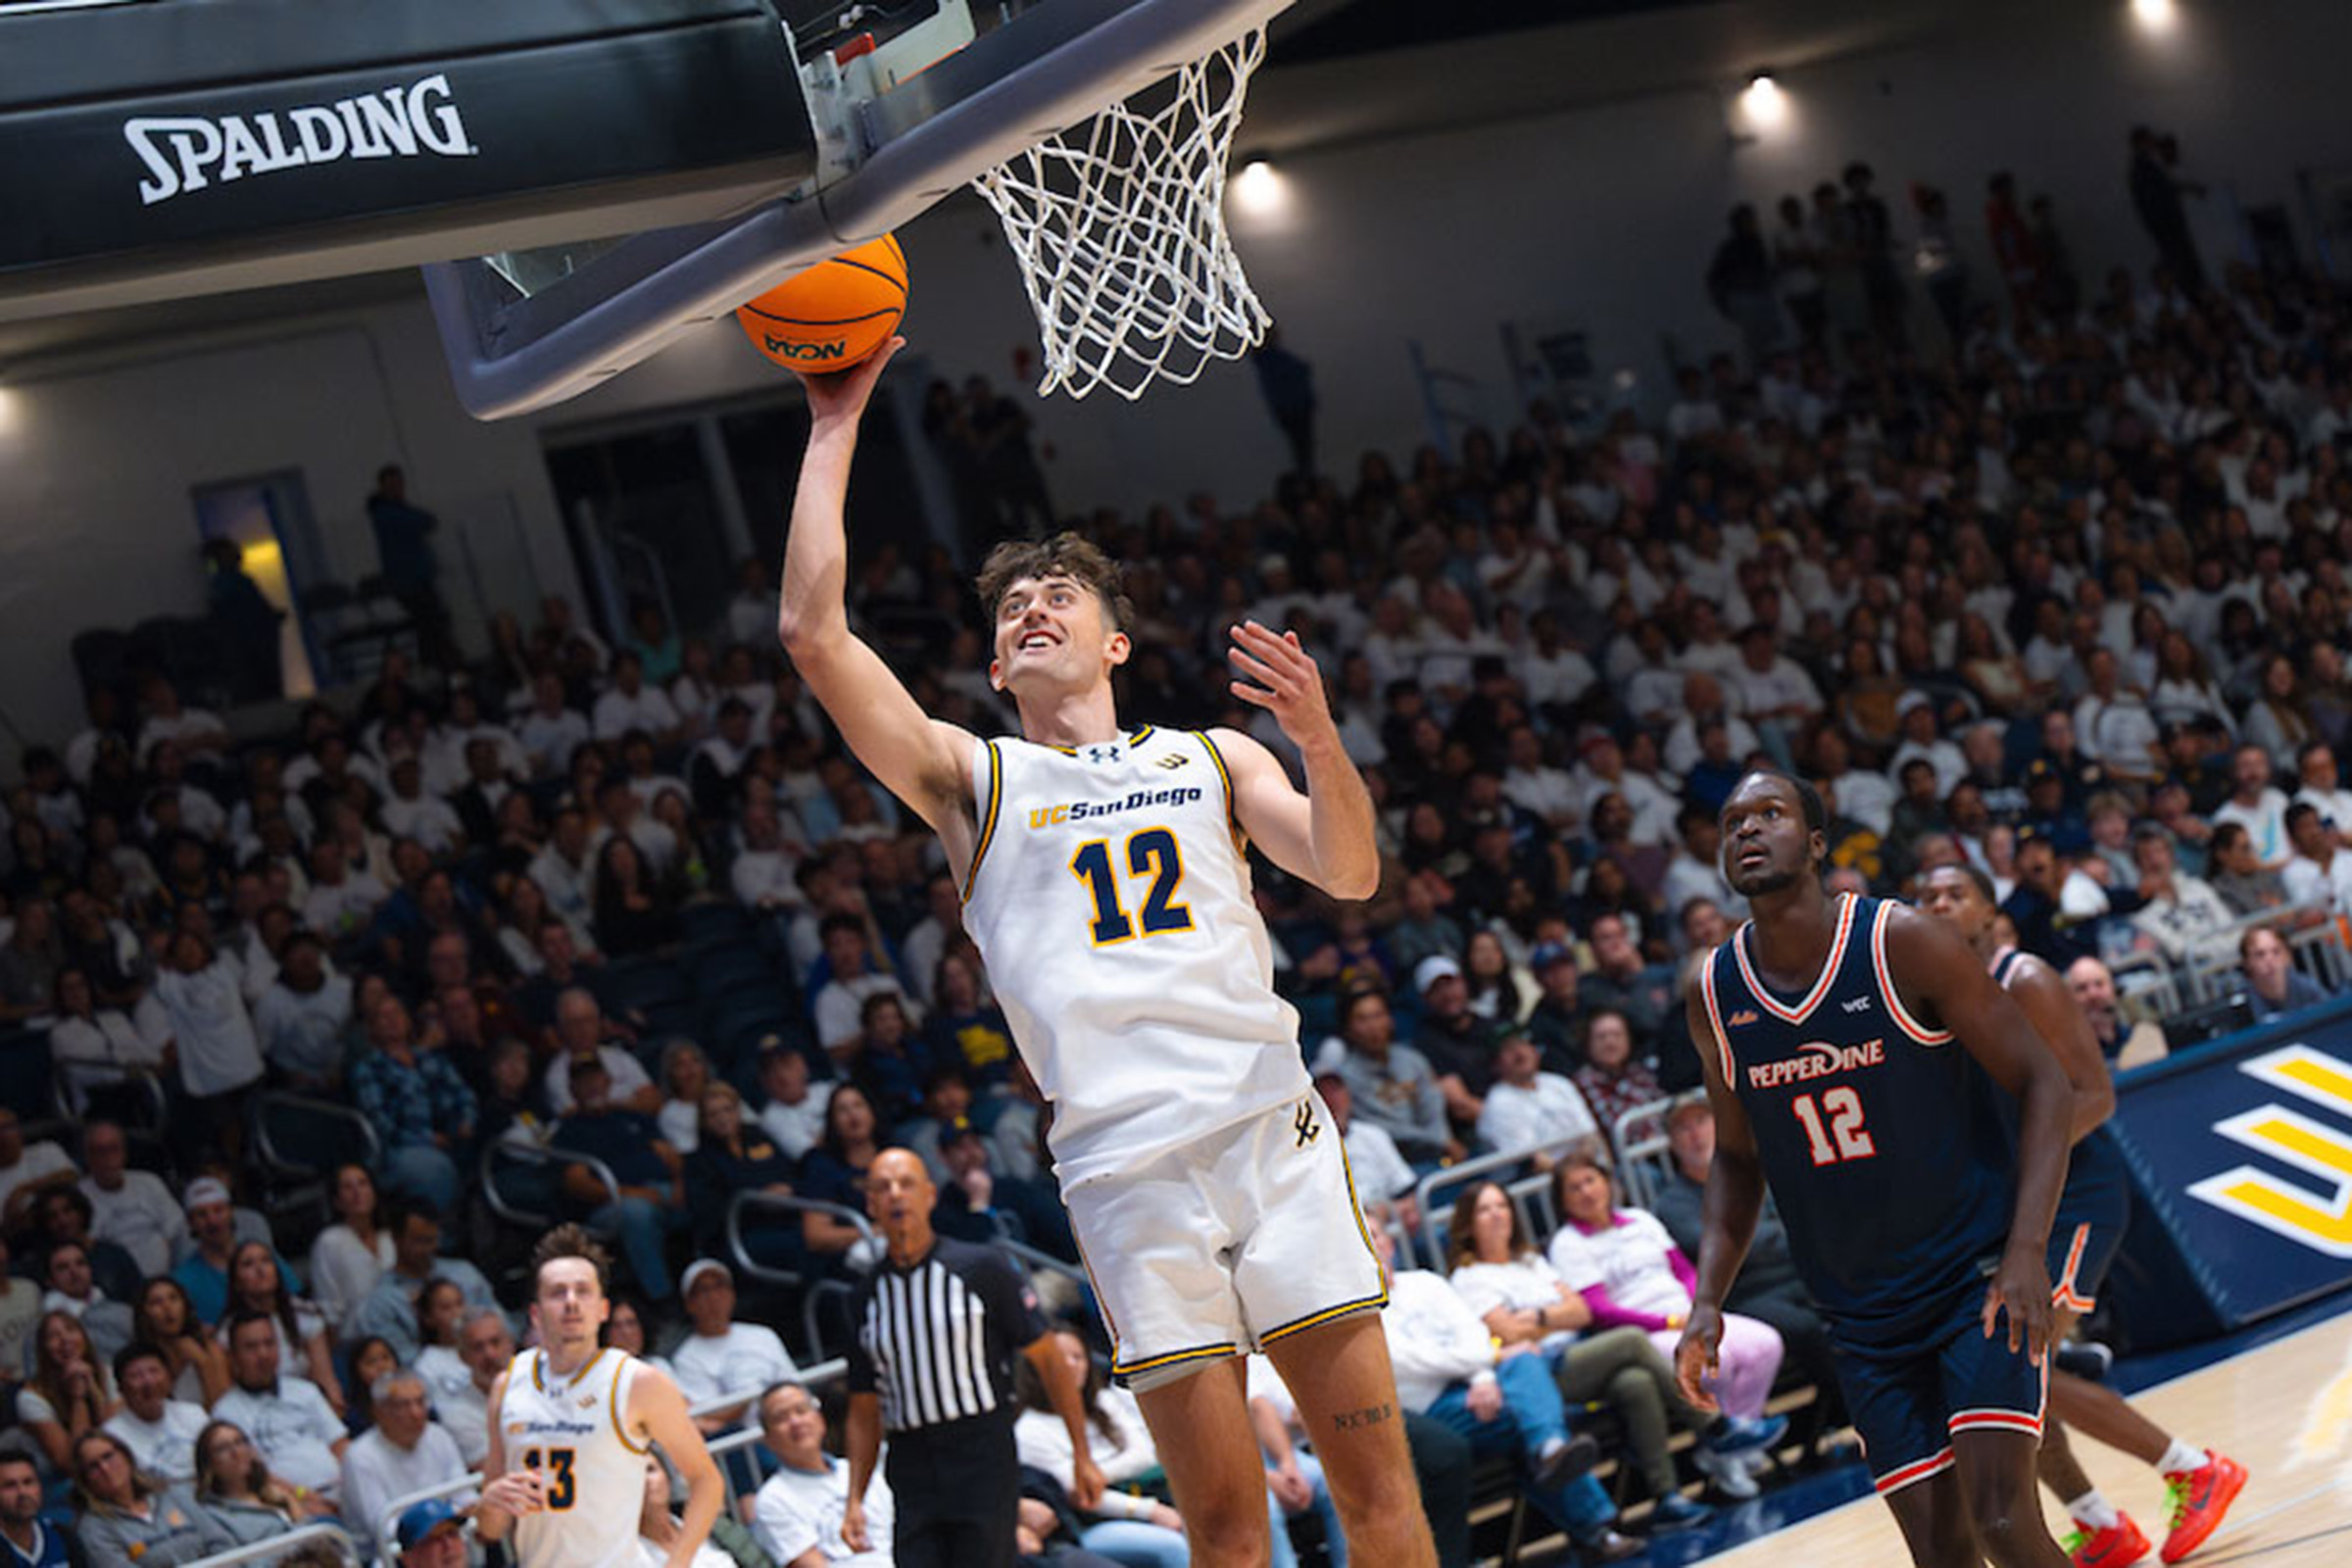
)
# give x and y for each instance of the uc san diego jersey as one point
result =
(1876, 1133)
(1109, 896)
(572, 1431)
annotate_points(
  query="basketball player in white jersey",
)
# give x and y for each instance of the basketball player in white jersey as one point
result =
(570, 1426)
(1106, 885)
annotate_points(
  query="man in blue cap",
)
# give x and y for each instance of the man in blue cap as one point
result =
(431, 1535)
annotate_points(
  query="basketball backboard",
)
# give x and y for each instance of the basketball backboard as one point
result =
(581, 179)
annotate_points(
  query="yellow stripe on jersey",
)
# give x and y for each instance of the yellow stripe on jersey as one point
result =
(620, 1428)
(988, 815)
(1369, 1303)
(1198, 1353)
(1232, 813)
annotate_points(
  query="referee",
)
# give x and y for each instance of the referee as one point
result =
(938, 1323)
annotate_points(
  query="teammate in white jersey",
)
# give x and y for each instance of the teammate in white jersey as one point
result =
(569, 1423)
(1108, 887)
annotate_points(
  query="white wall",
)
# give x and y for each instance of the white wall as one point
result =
(1603, 214)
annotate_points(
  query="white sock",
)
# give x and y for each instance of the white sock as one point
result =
(1552, 1447)
(2093, 1512)
(2181, 1456)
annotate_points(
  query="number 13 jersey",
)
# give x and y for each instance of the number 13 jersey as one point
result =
(573, 1431)
(1878, 1133)
(1110, 896)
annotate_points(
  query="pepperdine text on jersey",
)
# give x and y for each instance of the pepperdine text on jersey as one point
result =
(1821, 1059)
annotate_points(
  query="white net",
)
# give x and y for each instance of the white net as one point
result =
(1119, 225)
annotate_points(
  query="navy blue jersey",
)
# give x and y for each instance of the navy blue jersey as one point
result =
(1876, 1133)
(2096, 1178)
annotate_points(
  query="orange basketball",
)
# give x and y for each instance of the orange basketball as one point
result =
(833, 315)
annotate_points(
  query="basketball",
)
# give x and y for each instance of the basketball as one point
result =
(833, 315)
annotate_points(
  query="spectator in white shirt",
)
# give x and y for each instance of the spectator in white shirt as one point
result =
(1384, 1178)
(1697, 869)
(27, 1168)
(2258, 806)
(1922, 731)
(132, 1209)
(160, 1431)
(220, 1057)
(196, 731)
(296, 1430)
(2184, 915)
(486, 1345)
(2319, 785)
(581, 1031)
(413, 813)
(840, 1005)
(1527, 1107)
(795, 1112)
(1534, 786)
(633, 705)
(351, 1254)
(763, 874)
(1703, 703)
(102, 1047)
(1773, 689)
(722, 1356)
(550, 731)
(302, 1017)
(565, 870)
(403, 1452)
(342, 899)
(2319, 876)
(796, 1514)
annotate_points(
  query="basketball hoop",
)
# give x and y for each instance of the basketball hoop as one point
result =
(1119, 227)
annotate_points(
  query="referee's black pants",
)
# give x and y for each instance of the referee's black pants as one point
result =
(957, 1491)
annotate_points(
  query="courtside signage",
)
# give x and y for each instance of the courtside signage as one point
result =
(2318, 1214)
(2241, 1156)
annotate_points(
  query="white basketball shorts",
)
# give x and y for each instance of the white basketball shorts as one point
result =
(1226, 1245)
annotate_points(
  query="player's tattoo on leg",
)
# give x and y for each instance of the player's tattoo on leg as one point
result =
(1370, 1416)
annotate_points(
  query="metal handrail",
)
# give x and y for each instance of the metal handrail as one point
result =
(1532, 1188)
(534, 1155)
(741, 1254)
(278, 1546)
(263, 1144)
(387, 1521)
(1037, 1259)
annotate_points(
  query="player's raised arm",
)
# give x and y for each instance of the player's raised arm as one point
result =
(922, 761)
(1325, 835)
(2046, 1001)
(1735, 1198)
(1931, 964)
(658, 1407)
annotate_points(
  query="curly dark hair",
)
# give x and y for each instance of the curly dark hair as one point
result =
(1065, 554)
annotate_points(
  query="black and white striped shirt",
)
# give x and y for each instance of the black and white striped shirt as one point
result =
(936, 1341)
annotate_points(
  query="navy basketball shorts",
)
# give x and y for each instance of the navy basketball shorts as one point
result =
(1909, 1401)
(2085, 1239)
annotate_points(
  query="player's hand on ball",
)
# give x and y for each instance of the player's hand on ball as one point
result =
(1694, 1358)
(2020, 1287)
(517, 1493)
(1287, 682)
(842, 394)
(853, 1526)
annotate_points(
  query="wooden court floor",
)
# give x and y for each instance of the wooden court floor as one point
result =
(2284, 1410)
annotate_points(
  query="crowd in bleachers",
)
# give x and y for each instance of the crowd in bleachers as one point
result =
(2050, 585)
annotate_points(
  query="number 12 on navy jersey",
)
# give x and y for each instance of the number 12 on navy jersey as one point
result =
(1834, 1130)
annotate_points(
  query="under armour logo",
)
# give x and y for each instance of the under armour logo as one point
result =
(1174, 760)
(1102, 753)
(1858, 1004)
(1304, 1124)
